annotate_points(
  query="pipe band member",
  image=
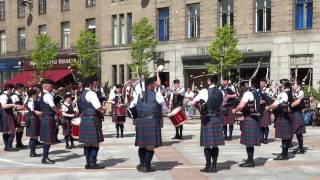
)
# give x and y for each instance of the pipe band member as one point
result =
(33, 121)
(176, 100)
(283, 122)
(68, 114)
(148, 124)
(91, 134)
(118, 100)
(211, 134)
(250, 131)
(48, 122)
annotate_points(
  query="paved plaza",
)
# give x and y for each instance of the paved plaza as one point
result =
(174, 160)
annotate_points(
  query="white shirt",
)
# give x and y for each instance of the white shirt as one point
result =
(189, 95)
(300, 95)
(15, 97)
(48, 98)
(4, 98)
(203, 94)
(92, 98)
(159, 99)
(247, 96)
(282, 98)
(31, 104)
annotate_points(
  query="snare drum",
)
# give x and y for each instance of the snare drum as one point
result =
(22, 117)
(177, 117)
(119, 110)
(75, 127)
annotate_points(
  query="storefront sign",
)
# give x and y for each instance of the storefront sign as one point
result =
(61, 62)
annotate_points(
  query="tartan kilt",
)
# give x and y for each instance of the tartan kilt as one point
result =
(118, 119)
(32, 126)
(90, 130)
(298, 124)
(48, 129)
(9, 126)
(211, 132)
(250, 132)
(66, 126)
(230, 118)
(265, 119)
(283, 128)
(148, 132)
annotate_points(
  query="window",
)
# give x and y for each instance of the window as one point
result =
(193, 15)
(163, 26)
(65, 5)
(114, 75)
(226, 12)
(65, 42)
(304, 13)
(2, 10)
(3, 42)
(121, 69)
(115, 30)
(91, 24)
(42, 7)
(21, 40)
(263, 15)
(90, 3)
(129, 27)
(21, 9)
(43, 29)
(122, 30)
(130, 73)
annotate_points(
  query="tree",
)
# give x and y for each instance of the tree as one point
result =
(142, 47)
(88, 52)
(44, 53)
(223, 51)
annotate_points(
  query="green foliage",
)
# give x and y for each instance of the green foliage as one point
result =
(224, 48)
(44, 53)
(142, 47)
(313, 92)
(88, 52)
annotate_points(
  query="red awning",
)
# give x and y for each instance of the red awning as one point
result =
(28, 77)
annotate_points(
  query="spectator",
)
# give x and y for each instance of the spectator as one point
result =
(309, 113)
(189, 95)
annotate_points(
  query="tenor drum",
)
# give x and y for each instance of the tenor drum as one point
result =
(119, 110)
(177, 117)
(22, 117)
(75, 127)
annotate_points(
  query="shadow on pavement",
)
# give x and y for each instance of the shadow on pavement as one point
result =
(69, 157)
(59, 152)
(260, 161)
(112, 161)
(165, 165)
(124, 135)
(225, 165)
(187, 137)
(170, 143)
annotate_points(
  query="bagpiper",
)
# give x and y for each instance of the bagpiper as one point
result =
(211, 135)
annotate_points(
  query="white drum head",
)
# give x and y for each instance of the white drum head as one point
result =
(76, 121)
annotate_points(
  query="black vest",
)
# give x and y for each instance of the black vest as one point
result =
(69, 111)
(45, 108)
(149, 106)
(85, 107)
(177, 100)
(10, 110)
(252, 107)
(215, 99)
(299, 107)
(20, 102)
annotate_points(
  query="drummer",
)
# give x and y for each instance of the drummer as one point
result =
(33, 121)
(67, 115)
(148, 124)
(90, 126)
(17, 98)
(211, 126)
(118, 101)
(176, 100)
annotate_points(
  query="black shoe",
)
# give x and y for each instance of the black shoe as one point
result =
(38, 143)
(21, 146)
(247, 164)
(213, 169)
(147, 169)
(118, 136)
(10, 149)
(265, 141)
(225, 138)
(48, 161)
(175, 137)
(206, 170)
(298, 151)
(68, 147)
(179, 137)
(96, 166)
(73, 146)
(87, 166)
(121, 135)
(58, 141)
(281, 157)
(35, 155)
(140, 168)
(230, 138)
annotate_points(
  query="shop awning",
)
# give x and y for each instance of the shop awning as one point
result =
(28, 77)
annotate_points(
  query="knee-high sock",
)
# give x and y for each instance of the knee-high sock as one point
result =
(141, 153)
(177, 131)
(66, 138)
(250, 152)
(46, 148)
(117, 128)
(285, 147)
(94, 154)
(148, 158)
(86, 151)
(10, 140)
(5, 140)
(262, 130)
(19, 138)
(230, 130)
(266, 133)
(300, 140)
(32, 146)
(214, 155)
(207, 155)
(181, 129)
(225, 130)
(121, 129)
(71, 140)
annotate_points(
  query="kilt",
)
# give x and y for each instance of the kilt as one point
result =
(230, 118)
(298, 124)
(211, 132)
(90, 130)
(283, 128)
(148, 132)
(32, 126)
(66, 126)
(118, 119)
(9, 126)
(48, 129)
(265, 119)
(250, 132)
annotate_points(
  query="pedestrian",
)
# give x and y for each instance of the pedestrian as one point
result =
(189, 95)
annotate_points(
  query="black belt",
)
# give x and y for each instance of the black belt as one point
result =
(149, 116)
(208, 115)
